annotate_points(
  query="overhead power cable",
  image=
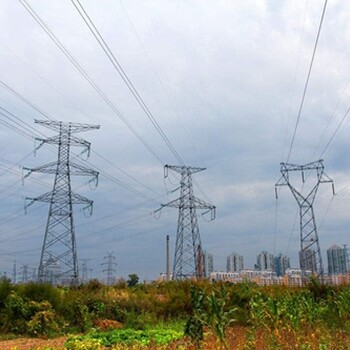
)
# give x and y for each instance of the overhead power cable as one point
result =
(88, 21)
(29, 135)
(307, 79)
(335, 132)
(87, 77)
(124, 185)
(161, 83)
(13, 92)
(124, 172)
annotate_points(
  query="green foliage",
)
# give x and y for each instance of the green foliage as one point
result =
(40, 292)
(15, 314)
(279, 313)
(77, 314)
(93, 285)
(195, 324)
(83, 344)
(5, 290)
(44, 320)
(127, 337)
(133, 280)
(213, 311)
(220, 314)
(96, 308)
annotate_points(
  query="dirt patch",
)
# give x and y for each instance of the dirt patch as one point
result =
(31, 343)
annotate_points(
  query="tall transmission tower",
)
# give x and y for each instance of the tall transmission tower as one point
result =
(24, 269)
(110, 268)
(310, 257)
(85, 270)
(58, 261)
(188, 247)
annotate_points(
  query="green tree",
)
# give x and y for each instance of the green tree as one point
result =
(133, 280)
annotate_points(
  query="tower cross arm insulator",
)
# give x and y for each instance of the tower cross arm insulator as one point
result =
(50, 168)
(74, 127)
(317, 165)
(200, 204)
(79, 199)
(76, 169)
(181, 169)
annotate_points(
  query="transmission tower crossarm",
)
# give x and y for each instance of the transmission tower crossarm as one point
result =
(49, 168)
(180, 169)
(55, 140)
(59, 198)
(74, 127)
(200, 204)
(195, 202)
(81, 170)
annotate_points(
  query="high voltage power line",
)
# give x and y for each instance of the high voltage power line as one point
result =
(30, 131)
(88, 78)
(172, 105)
(307, 80)
(84, 15)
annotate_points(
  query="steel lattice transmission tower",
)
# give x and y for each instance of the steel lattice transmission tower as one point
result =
(188, 249)
(310, 257)
(58, 261)
(110, 268)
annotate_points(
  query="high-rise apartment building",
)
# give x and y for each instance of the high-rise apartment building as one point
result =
(265, 261)
(234, 263)
(208, 264)
(307, 259)
(337, 258)
(282, 263)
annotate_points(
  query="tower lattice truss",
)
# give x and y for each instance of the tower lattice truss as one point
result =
(58, 261)
(310, 257)
(188, 257)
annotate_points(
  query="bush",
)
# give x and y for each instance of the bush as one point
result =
(44, 320)
(15, 314)
(40, 292)
(5, 290)
(77, 315)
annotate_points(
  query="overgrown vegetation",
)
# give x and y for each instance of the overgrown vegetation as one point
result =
(192, 315)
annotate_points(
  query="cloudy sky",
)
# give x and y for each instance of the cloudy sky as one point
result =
(224, 81)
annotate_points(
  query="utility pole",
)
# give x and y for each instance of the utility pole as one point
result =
(188, 242)
(58, 261)
(310, 257)
(110, 268)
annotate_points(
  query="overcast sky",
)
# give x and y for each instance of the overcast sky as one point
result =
(223, 79)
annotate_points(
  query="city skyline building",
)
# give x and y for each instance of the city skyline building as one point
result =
(234, 262)
(265, 261)
(208, 264)
(308, 261)
(337, 259)
(281, 264)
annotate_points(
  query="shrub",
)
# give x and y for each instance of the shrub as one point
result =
(40, 292)
(15, 314)
(77, 314)
(5, 290)
(44, 320)
(83, 344)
